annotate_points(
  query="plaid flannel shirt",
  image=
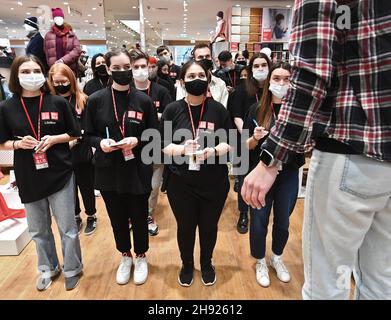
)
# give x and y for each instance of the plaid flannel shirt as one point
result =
(341, 80)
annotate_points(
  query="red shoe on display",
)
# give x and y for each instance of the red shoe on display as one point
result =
(7, 213)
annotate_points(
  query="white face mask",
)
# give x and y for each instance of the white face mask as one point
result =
(29, 28)
(260, 75)
(59, 21)
(140, 75)
(278, 90)
(32, 81)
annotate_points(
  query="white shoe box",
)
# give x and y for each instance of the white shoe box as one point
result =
(14, 235)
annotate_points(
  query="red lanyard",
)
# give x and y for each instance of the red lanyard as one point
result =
(37, 136)
(230, 79)
(195, 133)
(121, 128)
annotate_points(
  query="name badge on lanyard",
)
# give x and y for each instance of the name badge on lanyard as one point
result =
(127, 153)
(40, 159)
(194, 159)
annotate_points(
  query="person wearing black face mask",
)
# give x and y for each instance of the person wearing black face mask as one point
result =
(101, 77)
(196, 192)
(114, 122)
(240, 59)
(63, 82)
(229, 71)
(217, 88)
(164, 79)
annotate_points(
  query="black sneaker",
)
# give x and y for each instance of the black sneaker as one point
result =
(208, 275)
(79, 223)
(242, 225)
(91, 226)
(185, 277)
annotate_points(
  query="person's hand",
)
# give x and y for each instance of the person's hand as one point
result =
(257, 184)
(208, 152)
(230, 89)
(130, 143)
(48, 142)
(259, 133)
(105, 145)
(28, 143)
(191, 146)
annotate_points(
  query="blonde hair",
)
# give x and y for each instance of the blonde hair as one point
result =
(65, 71)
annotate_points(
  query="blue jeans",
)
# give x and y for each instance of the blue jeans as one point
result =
(38, 213)
(282, 196)
(347, 227)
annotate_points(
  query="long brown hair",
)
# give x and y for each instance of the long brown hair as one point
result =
(251, 83)
(264, 111)
(65, 71)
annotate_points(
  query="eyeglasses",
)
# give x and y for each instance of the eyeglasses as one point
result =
(61, 83)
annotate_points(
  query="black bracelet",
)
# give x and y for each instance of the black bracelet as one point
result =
(13, 144)
(216, 152)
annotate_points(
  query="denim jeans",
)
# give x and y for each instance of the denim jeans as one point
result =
(39, 222)
(347, 227)
(282, 197)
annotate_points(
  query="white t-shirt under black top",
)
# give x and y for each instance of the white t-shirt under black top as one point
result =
(57, 117)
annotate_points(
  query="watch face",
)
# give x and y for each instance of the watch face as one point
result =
(266, 157)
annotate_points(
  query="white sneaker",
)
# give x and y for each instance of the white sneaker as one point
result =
(97, 193)
(262, 273)
(140, 274)
(282, 272)
(123, 272)
(153, 228)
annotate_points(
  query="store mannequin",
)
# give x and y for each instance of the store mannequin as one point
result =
(35, 45)
(61, 43)
(219, 35)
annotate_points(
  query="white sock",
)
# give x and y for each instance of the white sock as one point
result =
(274, 256)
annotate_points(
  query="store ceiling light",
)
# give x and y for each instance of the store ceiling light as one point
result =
(20, 3)
(93, 8)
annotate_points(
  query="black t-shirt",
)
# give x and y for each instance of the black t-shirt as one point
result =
(57, 117)
(81, 152)
(215, 117)
(168, 84)
(175, 72)
(112, 172)
(239, 102)
(95, 85)
(159, 95)
(297, 161)
(232, 77)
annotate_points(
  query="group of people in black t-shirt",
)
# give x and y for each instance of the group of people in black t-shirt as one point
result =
(124, 136)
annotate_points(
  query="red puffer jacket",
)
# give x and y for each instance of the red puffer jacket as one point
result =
(72, 51)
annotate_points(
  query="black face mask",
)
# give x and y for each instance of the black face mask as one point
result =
(242, 63)
(123, 78)
(196, 87)
(62, 89)
(208, 64)
(101, 70)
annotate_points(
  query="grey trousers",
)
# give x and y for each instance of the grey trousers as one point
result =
(62, 205)
(347, 227)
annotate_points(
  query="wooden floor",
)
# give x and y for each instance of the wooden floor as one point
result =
(234, 265)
